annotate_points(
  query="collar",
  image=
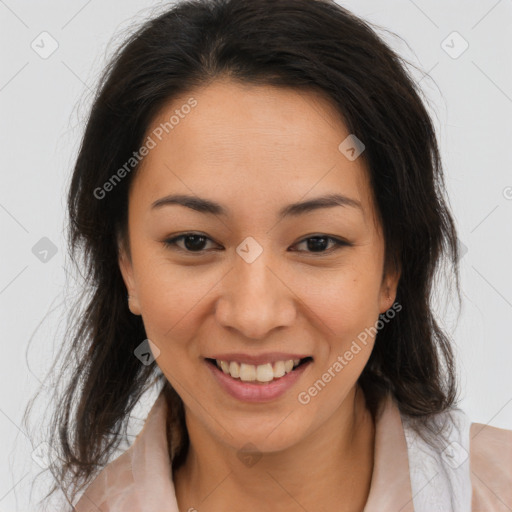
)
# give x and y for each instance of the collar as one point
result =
(140, 479)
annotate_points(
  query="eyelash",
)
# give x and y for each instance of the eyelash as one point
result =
(171, 243)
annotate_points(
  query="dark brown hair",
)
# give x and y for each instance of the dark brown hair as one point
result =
(300, 44)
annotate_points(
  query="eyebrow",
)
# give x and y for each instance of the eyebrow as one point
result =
(207, 206)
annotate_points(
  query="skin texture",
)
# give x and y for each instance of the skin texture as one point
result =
(256, 149)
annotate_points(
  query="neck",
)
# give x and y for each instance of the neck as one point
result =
(330, 469)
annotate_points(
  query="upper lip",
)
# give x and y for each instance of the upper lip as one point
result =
(268, 357)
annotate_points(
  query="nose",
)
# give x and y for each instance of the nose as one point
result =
(255, 300)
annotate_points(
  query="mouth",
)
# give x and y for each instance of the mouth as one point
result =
(262, 374)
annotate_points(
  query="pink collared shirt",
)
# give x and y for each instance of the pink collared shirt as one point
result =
(473, 473)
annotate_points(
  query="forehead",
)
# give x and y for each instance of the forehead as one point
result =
(260, 144)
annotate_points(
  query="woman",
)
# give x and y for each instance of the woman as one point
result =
(260, 202)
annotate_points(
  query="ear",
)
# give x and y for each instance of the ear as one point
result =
(388, 289)
(126, 268)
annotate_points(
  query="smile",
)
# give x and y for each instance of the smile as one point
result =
(260, 373)
(257, 383)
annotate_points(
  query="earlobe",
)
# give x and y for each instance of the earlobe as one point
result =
(126, 268)
(388, 294)
(387, 299)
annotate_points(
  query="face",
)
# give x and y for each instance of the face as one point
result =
(236, 273)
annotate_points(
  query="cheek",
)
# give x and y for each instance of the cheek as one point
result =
(346, 309)
(168, 307)
(346, 299)
(173, 302)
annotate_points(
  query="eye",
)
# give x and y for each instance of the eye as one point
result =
(193, 242)
(318, 243)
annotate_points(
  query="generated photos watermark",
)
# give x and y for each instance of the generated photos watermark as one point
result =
(150, 143)
(304, 397)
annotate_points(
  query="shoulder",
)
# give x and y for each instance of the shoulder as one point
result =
(491, 468)
(141, 476)
(112, 489)
(471, 467)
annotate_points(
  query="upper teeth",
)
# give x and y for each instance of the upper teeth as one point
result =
(261, 373)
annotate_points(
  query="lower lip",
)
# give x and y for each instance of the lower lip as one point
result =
(257, 392)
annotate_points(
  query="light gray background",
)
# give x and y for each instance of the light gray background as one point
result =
(43, 108)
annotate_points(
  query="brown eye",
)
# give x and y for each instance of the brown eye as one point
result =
(319, 243)
(192, 242)
(195, 243)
